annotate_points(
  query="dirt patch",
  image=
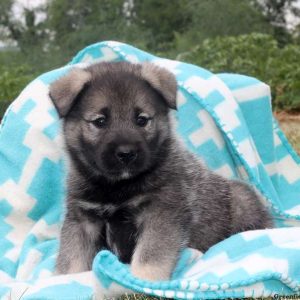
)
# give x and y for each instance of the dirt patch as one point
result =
(290, 125)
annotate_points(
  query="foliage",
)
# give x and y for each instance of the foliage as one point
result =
(160, 20)
(276, 12)
(75, 24)
(255, 55)
(12, 81)
(151, 23)
(286, 79)
(26, 32)
(211, 19)
(48, 35)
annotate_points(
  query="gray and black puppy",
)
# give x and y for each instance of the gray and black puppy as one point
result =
(132, 187)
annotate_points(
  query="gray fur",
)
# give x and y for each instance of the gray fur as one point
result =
(64, 91)
(145, 211)
(162, 80)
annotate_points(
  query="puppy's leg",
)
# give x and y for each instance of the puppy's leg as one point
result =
(158, 246)
(77, 245)
(247, 209)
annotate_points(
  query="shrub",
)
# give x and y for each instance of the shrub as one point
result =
(12, 82)
(255, 55)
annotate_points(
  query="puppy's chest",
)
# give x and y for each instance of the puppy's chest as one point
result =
(119, 234)
(114, 206)
(121, 221)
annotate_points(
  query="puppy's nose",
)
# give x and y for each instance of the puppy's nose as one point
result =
(126, 153)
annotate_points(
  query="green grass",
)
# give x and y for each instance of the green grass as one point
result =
(139, 297)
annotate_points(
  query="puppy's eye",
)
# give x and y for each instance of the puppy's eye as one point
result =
(142, 120)
(99, 121)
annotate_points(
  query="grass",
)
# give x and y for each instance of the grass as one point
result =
(138, 297)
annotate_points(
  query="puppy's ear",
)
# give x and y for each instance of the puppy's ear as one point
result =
(64, 91)
(161, 80)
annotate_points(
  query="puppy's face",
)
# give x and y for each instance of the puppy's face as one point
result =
(116, 116)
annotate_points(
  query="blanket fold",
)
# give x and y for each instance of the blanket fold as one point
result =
(226, 119)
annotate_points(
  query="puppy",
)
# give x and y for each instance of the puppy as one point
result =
(132, 188)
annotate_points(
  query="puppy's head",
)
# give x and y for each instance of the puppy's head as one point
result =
(115, 116)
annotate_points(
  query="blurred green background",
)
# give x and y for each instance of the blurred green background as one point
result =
(259, 38)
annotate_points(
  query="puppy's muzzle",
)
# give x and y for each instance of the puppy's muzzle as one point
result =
(126, 154)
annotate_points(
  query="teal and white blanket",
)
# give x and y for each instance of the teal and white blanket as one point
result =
(225, 118)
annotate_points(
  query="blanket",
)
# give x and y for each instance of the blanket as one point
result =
(226, 119)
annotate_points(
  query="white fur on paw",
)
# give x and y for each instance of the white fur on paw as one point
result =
(150, 272)
(76, 267)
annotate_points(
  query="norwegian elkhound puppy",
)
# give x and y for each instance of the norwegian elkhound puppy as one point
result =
(132, 187)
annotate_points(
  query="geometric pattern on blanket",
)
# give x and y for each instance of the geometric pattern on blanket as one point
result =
(226, 119)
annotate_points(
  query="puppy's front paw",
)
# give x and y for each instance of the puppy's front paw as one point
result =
(66, 267)
(150, 272)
